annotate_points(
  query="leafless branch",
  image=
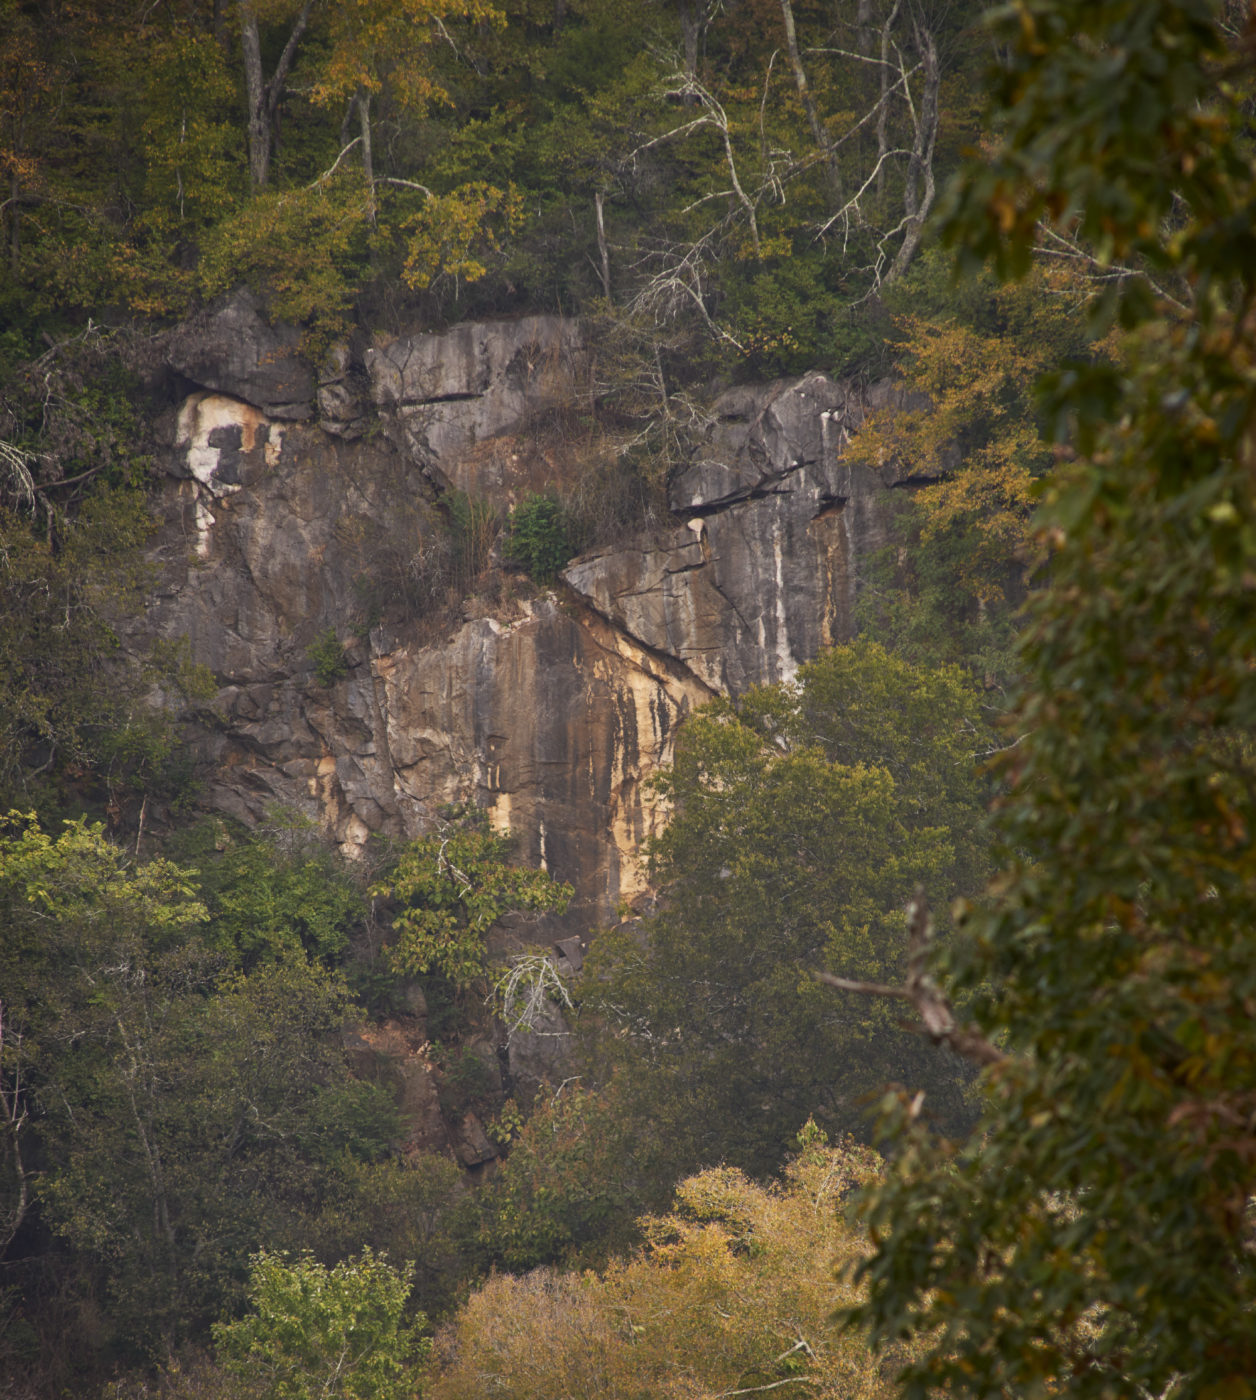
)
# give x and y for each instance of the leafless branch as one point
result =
(852, 204)
(405, 184)
(525, 989)
(771, 1385)
(937, 1016)
(15, 462)
(1055, 244)
(859, 57)
(331, 170)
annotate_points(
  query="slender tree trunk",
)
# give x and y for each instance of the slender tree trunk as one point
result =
(14, 1110)
(255, 95)
(263, 96)
(602, 249)
(919, 189)
(368, 160)
(11, 214)
(883, 112)
(690, 23)
(818, 132)
(863, 27)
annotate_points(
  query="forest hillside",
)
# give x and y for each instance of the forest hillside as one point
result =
(601, 607)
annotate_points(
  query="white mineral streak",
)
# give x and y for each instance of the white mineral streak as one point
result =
(787, 667)
(200, 416)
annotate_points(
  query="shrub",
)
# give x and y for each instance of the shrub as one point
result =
(319, 1332)
(539, 537)
(330, 659)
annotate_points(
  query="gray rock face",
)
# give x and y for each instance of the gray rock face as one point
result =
(760, 434)
(542, 714)
(550, 711)
(445, 394)
(230, 349)
(764, 572)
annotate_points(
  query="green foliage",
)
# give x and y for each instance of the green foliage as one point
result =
(453, 887)
(792, 314)
(316, 1333)
(76, 703)
(69, 697)
(331, 661)
(804, 818)
(539, 537)
(416, 1206)
(305, 250)
(276, 892)
(575, 1179)
(1095, 1237)
(449, 153)
(185, 1111)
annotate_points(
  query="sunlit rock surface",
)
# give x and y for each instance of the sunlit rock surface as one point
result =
(549, 709)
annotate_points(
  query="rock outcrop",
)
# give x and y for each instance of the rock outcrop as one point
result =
(447, 397)
(551, 709)
(230, 349)
(761, 573)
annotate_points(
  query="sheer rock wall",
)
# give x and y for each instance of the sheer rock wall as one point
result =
(291, 509)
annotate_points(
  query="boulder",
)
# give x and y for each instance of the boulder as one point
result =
(229, 348)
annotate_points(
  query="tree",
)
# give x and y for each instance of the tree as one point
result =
(453, 886)
(263, 95)
(963, 553)
(383, 46)
(728, 1296)
(1094, 1237)
(804, 817)
(182, 1113)
(317, 1333)
(577, 1177)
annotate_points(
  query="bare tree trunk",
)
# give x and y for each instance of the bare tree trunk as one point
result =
(602, 249)
(368, 159)
(255, 93)
(690, 22)
(264, 96)
(818, 132)
(919, 189)
(883, 112)
(13, 1108)
(863, 27)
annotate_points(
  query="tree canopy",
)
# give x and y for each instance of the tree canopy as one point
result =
(1094, 1235)
(804, 818)
(730, 1292)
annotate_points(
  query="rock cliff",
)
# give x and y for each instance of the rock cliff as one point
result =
(295, 507)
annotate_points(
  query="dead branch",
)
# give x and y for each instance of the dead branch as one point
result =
(334, 166)
(1057, 245)
(937, 1016)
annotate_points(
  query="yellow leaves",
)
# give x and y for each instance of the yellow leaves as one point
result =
(378, 43)
(451, 232)
(712, 1305)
